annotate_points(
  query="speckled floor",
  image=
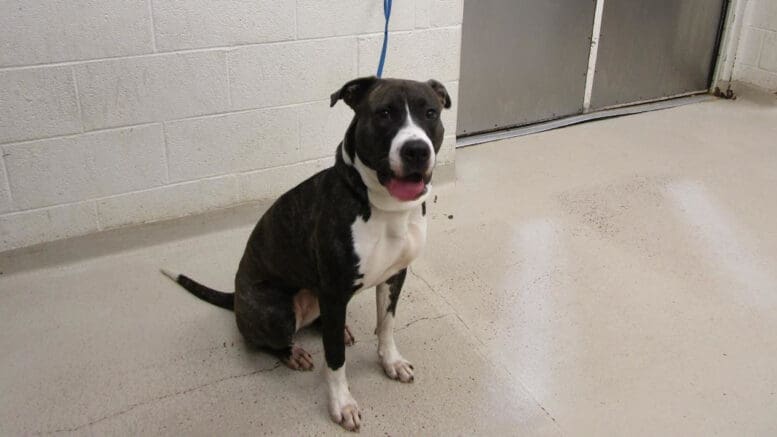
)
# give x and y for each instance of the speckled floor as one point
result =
(611, 278)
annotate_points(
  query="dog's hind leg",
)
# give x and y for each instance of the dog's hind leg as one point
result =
(266, 318)
(294, 357)
(348, 337)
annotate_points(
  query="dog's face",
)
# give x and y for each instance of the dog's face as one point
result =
(396, 132)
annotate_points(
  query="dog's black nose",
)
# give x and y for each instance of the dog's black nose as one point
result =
(415, 153)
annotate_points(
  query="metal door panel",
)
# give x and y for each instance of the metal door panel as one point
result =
(649, 49)
(522, 61)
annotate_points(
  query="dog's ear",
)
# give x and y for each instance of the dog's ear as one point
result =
(353, 92)
(441, 92)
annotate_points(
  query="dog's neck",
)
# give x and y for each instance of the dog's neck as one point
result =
(364, 180)
(349, 175)
(345, 169)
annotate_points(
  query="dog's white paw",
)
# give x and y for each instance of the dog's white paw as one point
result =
(399, 369)
(345, 412)
(342, 406)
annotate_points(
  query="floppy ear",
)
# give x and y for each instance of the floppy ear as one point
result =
(353, 92)
(441, 92)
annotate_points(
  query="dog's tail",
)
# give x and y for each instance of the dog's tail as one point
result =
(218, 298)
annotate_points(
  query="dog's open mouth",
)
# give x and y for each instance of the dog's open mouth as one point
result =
(407, 188)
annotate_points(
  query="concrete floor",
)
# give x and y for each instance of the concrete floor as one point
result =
(611, 278)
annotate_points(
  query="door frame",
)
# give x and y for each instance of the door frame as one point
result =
(730, 35)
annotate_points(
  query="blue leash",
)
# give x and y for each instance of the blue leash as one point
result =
(387, 14)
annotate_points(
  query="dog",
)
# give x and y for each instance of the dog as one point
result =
(356, 225)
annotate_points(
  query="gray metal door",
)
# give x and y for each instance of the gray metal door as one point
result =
(522, 61)
(650, 49)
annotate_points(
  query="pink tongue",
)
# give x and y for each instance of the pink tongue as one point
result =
(405, 190)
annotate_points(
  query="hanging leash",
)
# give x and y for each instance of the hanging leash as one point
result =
(387, 15)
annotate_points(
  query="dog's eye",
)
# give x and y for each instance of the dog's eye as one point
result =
(431, 114)
(385, 114)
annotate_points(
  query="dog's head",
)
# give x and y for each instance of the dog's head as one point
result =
(395, 134)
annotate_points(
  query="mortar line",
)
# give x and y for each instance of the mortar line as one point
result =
(78, 98)
(97, 216)
(229, 80)
(153, 24)
(169, 185)
(214, 49)
(167, 153)
(7, 179)
(174, 120)
(299, 133)
(761, 28)
(296, 21)
(358, 58)
(760, 51)
(73, 135)
(756, 67)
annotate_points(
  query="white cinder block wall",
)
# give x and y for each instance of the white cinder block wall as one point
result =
(756, 57)
(117, 112)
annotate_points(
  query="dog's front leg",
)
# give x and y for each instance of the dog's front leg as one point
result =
(342, 406)
(387, 296)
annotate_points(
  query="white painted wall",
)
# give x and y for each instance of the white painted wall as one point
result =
(756, 55)
(118, 112)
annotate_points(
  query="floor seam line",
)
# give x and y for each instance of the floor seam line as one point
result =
(488, 358)
(422, 279)
(133, 406)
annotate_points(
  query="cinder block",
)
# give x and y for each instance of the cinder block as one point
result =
(271, 183)
(185, 24)
(756, 76)
(446, 12)
(232, 143)
(25, 228)
(152, 88)
(167, 202)
(320, 18)
(449, 116)
(322, 128)
(219, 192)
(293, 72)
(37, 32)
(447, 153)
(419, 55)
(438, 13)
(768, 59)
(422, 18)
(5, 193)
(61, 170)
(761, 13)
(37, 103)
(444, 174)
(750, 46)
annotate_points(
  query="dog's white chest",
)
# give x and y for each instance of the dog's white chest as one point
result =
(386, 243)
